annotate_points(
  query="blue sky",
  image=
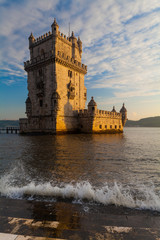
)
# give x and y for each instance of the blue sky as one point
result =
(121, 47)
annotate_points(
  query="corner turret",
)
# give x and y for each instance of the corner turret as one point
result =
(79, 42)
(31, 40)
(123, 111)
(55, 27)
(92, 106)
(73, 40)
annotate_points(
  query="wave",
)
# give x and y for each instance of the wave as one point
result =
(142, 198)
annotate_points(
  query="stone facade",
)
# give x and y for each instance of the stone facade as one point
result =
(56, 91)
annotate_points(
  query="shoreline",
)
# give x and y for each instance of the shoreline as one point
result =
(65, 220)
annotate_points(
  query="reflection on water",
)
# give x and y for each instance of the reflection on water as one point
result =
(130, 160)
(73, 157)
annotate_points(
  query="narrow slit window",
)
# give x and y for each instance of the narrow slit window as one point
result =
(41, 103)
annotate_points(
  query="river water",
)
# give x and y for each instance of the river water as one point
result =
(121, 169)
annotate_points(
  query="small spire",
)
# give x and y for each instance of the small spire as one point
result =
(113, 110)
(55, 21)
(79, 40)
(72, 34)
(69, 30)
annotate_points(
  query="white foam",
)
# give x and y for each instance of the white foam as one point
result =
(144, 197)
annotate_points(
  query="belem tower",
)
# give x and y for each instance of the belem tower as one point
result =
(56, 91)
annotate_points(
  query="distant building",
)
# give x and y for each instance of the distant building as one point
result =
(56, 91)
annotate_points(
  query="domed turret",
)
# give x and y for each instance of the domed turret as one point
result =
(113, 110)
(92, 106)
(123, 111)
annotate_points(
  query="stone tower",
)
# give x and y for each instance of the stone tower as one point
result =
(56, 90)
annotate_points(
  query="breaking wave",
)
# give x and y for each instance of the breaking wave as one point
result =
(142, 197)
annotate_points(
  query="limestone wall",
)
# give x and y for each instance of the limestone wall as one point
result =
(64, 46)
(43, 48)
(67, 104)
(41, 85)
(38, 125)
(67, 124)
(100, 121)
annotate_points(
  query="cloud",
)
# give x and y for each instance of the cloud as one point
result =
(17, 20)
(120, 40)
(127, 56)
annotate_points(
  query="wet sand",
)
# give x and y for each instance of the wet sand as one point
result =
(23, 219)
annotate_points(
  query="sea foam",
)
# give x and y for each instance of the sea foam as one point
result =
(143, 197)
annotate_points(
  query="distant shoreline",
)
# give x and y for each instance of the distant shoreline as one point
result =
(144, 122)
(9, 123)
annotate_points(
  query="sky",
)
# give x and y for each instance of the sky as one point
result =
(121, 47)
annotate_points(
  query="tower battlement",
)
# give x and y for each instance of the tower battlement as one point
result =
(47, 35)
(74, 43)
(61, 57)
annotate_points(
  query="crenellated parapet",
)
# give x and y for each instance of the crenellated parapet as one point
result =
(100, 113)
(72, 61)
(60, 57)
(36, 41)
(109, 114)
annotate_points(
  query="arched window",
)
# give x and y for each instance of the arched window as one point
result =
(42, 51)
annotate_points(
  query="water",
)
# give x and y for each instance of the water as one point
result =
(121, 169)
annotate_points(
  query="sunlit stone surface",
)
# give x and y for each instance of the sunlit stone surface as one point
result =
(57, 94)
